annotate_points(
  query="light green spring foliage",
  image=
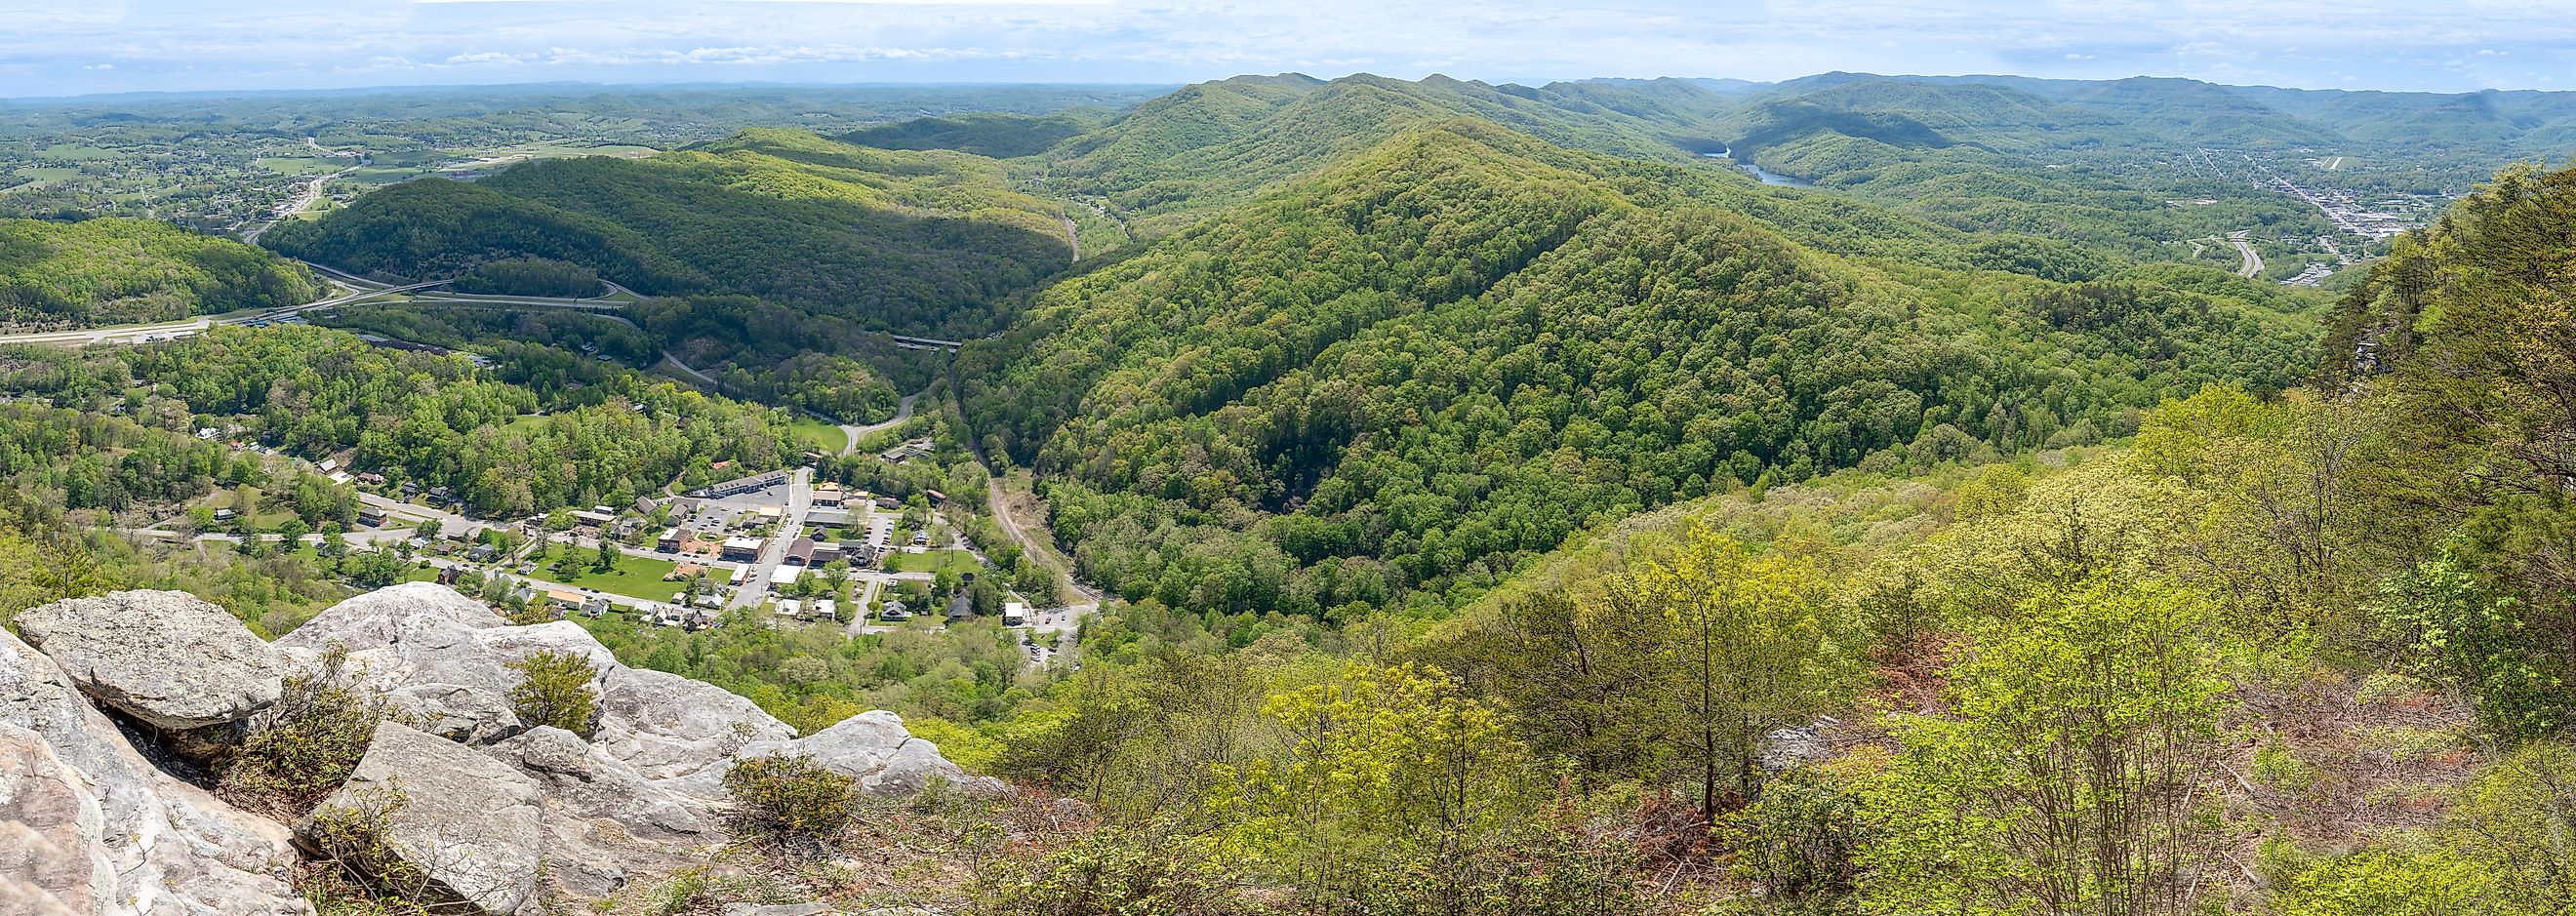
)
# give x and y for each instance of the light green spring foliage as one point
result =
(106, 271)
(2394, 882)
(2508, 846)
(555, 688)
(1749, 642)
(1377, 763)
(2064, 778)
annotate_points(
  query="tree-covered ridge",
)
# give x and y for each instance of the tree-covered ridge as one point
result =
(107, 271)
(1439, 358)
(1215, 144)
(918, 242)
(996, 134)
(606, 435)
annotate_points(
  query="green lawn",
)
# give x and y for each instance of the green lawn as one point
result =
(820, 436)
(527, 423)
(40, 177)
(298, 165)
(636, 577)
(957, 561)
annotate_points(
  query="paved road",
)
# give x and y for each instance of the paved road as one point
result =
(311, 195)
(448, 522)
(2253, 265)
(800, 498)
(902, 412)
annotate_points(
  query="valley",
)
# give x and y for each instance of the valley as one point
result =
(1277, 494)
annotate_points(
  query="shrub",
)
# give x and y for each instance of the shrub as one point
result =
(1801, 840)
(554, 689)
(356, 871)
(1115, 872)
(305, 745)
(787, 798)
(2441, 622)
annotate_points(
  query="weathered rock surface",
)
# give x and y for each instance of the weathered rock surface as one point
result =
(167, 658)
(641, 796)
(467, 821)
(1797, 746)
(459, 713)
(409, 637)
(603, 821)
(491, 806)
(777, 909)
(88, 826)
(871, 747)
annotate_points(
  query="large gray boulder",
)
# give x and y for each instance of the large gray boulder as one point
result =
(167, 658)
(88, 826)
(458, 713)
(872, 748)
(641, 794)
(604, 822)
(424, 637)
(466, 822)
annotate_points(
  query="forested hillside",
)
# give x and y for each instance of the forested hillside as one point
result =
(2300, 653)
(604, 434)
(994, 134)
(1432, 361)
(1217, 143)
(915, 242)
(105, 271)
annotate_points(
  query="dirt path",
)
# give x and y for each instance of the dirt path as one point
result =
(1004, 498)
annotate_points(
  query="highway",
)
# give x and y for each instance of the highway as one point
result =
(2253, 265)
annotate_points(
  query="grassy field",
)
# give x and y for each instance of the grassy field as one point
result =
(298, 165)
(957, 561)
(636, 577)
(40, 177)
(75, 152)
(526, 423)
(820, 436)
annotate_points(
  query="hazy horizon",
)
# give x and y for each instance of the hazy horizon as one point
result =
(55, 50)
(721, 85)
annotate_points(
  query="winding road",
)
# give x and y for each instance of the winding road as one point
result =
(902, 412)
(2253, 265)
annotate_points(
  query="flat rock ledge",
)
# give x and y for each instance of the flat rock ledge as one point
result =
(168, 659)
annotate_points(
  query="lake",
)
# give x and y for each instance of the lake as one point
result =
(1766, 177)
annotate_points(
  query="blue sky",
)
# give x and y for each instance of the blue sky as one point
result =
(50, 47)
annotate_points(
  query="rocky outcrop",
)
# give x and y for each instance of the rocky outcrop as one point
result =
(166, 658)
(490, 807)
(463, 823)
(1798, 745)
(423, 639)
(88, 826)
(604, 822)
(639, 796)
(872, 748)
(458, 713)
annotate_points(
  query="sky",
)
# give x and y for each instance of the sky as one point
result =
(53, 48)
